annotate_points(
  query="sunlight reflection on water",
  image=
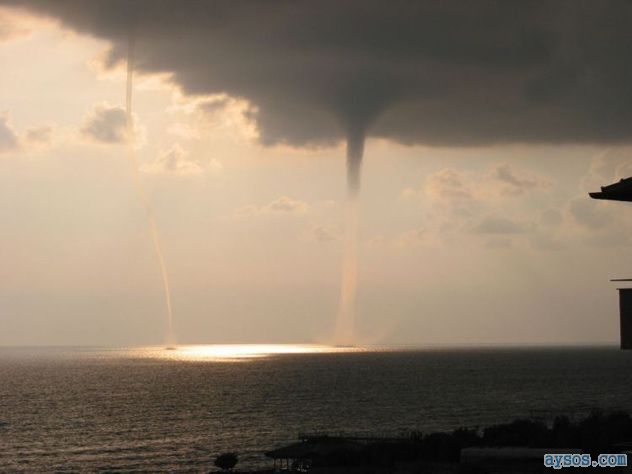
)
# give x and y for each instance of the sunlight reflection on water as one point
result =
(236, 352)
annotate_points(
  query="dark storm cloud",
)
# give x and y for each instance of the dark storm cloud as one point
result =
(442, 72)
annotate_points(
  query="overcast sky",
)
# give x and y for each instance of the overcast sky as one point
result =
(486, 127)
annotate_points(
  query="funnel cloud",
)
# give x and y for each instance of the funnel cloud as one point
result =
(142, 195)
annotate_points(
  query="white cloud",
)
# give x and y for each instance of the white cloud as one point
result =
(16, 24)
(587, 221)
(108, 124)
(286, 204)
(590, 213)
(515, 183)
(500, 180)
(486, 202)
(215, 114)
(8, 137)
(282, 205)
(42, 135)
(448, 184)
(324, 234)
(482, 202)
(178, 161)
(184, 131)
(32, 137)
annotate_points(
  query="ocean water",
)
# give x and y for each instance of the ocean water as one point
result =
(90, 409)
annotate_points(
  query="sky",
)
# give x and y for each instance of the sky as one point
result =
(475, 224)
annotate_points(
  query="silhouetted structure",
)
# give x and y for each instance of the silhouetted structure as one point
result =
(625, 315)
(621, 191)
(226, 461)
(310, 451)
(508, 448)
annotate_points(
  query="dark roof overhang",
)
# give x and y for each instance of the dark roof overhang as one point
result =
(621, 191)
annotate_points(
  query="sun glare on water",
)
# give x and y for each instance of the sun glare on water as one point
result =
(231, 352)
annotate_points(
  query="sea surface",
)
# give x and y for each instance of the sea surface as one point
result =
(150, 409)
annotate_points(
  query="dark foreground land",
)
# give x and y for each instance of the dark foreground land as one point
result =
(516, 447)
